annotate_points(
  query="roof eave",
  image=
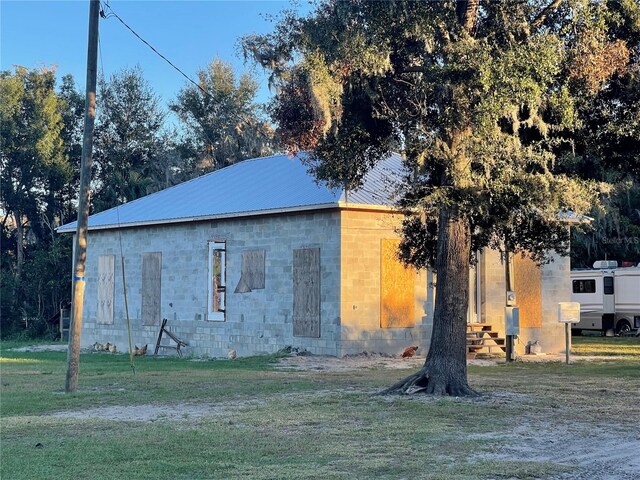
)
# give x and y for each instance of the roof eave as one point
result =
(252, 213)
(219, 216)
(368, 206)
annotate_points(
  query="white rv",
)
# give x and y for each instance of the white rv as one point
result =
(609, 297)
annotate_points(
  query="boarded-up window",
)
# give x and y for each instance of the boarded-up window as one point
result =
(528, 287)
(252, 271)
(397, 300)
(105, 288)
(151, 286)
(306, 292)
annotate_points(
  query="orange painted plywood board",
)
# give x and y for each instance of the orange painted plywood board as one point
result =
(528, 285)
(397, 301)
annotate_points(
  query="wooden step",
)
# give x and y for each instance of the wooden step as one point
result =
(486, 349)
(474, 327)
(481, 338)
(483, 341)
(481, 345)
(478, 348)
(482, 334)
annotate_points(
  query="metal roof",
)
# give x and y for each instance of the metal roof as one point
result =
(253, 187)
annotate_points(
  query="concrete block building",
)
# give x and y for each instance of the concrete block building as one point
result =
(258, 256)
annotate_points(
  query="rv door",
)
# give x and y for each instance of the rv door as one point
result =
(608, 295)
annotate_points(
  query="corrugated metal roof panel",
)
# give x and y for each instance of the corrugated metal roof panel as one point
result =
(380, 184)
(261, 185)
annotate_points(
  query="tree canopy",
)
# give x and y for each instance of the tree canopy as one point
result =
(129, 140)
(607, 145)
(32, 156)
(222, 123)
(36, 182)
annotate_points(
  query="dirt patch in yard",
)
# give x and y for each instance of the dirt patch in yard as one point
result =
(310, 362)
(320, 363)
(177, 412)
(144, 413)
(41, 348)
(601, 451)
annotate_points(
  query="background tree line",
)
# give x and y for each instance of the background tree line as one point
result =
(137, 150)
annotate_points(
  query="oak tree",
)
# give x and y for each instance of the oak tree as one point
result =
(478, 97)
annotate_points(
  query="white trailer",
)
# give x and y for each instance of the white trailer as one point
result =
(609, 297)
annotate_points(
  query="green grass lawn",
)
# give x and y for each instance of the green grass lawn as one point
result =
(249, 419)
(627, 347)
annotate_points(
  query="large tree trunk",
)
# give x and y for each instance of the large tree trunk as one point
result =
(467, 12)
(445, 369)
(19, 245)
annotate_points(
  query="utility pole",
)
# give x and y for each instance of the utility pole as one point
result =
(80, 250)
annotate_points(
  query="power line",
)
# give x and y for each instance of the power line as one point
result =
(102, 70)
(112, 13)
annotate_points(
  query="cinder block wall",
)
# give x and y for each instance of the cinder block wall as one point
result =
(556, 287)
(493, 290)
(257, 322)
(556, 284)
(362, 232)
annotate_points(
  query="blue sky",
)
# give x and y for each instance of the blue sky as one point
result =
(189, 33)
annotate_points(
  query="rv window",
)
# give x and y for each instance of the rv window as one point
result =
(584, 286)
(608, 285)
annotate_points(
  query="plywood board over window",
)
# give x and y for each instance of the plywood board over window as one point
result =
(106, 288)
(252, 271)
(306, 292)
(528, 285)
(151, 287)
(397, 302)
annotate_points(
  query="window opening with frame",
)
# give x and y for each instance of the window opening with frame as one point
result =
(217, 279)
(608, 285)
(584, 286)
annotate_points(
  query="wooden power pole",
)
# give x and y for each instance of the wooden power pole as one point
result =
(80, 250)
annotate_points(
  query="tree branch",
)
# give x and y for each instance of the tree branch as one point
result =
(467, 12)
(545, 13)
(416, 69)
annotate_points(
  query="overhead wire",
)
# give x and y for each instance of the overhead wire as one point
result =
(112, 13)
